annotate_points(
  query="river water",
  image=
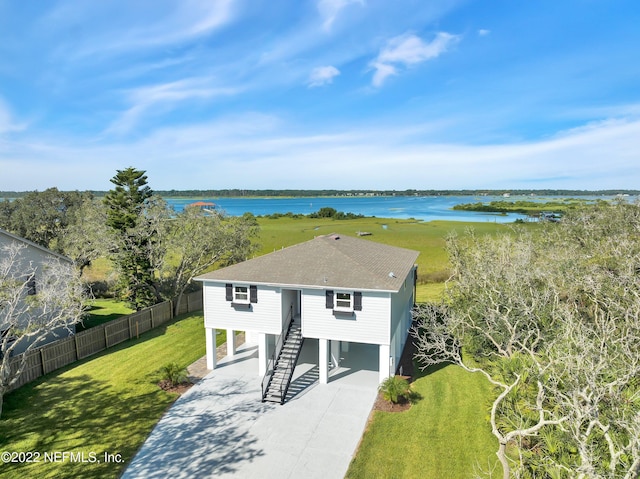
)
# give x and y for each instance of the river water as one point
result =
(425, 208)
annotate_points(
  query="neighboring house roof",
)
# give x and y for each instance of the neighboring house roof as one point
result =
(13, 237)
(331, 261)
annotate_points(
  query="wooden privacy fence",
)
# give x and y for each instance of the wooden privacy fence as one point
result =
(65, 351)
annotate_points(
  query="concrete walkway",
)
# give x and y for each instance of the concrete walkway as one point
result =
(219, 427)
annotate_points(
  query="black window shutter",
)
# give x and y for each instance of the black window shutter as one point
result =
(229, 291)
(329, 295)
(31, 286)
(253, 293)
(357, 301)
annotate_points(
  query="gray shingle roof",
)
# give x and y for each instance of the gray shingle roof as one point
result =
(331, 261)
(13, 237)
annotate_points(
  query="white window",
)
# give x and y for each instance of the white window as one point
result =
(241, 294)
(344, 302)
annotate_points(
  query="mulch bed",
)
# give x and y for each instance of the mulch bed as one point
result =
(387, 406)
(179, 388)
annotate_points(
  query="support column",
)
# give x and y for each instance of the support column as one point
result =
(335, 353)
(250, 337)
(384, 361)
(262, 354)
(210, 342)
(323, 363)
(231, 343)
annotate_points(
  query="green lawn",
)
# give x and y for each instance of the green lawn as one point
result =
(103, 310)
(429, 293)
(107, 403)
(446, 434)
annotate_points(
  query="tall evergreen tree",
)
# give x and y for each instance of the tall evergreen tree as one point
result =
(125, 216)
(126, 201)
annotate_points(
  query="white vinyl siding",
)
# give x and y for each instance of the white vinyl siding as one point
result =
(384, 318)
(265, 316)
(370, 325)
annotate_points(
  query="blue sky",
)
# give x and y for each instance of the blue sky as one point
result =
(427, 94)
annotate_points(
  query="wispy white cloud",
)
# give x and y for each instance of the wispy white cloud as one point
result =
(625, 110)
(363, 154)
(7, 120)
(189, 19)
(140, 25)
(406, 50)
(164, 97)
(214, 15)
(330, 9)
(210, 155)
(382, 71)
(484, 32)
(323, 76)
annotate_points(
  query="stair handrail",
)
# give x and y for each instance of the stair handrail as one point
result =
(289, 372)
(279, 344)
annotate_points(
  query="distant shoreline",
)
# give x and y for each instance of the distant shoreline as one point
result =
(270, 193)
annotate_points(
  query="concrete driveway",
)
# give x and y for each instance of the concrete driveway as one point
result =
(219, 427)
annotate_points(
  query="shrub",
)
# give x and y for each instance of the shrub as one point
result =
(173, 374)
(328, 212)
(395, 388)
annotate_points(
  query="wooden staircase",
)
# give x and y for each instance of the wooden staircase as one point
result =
(278, 384)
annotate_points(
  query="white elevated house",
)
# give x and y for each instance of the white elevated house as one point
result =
(336, 289)
(32, 258)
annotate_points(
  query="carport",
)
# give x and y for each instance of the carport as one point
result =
(220, 427)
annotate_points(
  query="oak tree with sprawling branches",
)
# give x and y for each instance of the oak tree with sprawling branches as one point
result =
(196, 240)
(552, 319)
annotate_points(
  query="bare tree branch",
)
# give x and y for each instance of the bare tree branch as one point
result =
(27, 320)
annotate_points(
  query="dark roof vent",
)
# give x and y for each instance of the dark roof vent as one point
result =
(334, 236)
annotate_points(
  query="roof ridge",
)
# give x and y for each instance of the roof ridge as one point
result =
(35, 245)
(364, 261)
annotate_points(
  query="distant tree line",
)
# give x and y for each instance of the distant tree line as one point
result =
(238, 192)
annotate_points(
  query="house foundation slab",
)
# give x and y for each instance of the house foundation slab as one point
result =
(220, 428)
